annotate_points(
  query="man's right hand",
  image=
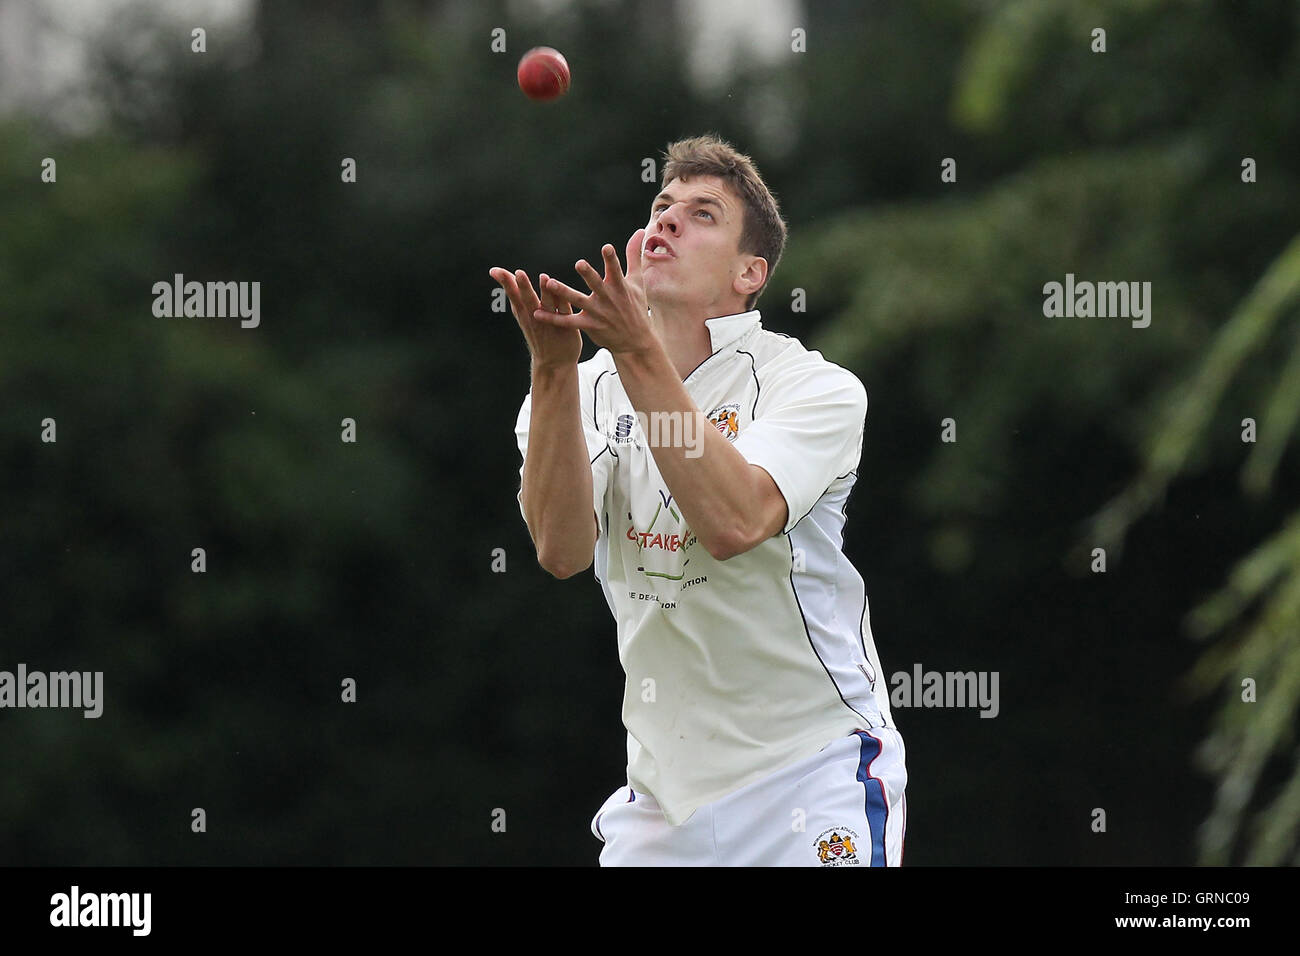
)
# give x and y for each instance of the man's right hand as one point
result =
(550, 346)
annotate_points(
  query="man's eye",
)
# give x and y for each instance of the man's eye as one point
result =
(661, 207)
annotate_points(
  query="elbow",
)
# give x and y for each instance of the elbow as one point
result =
(563, 566)
(558, 557)
(725, 545)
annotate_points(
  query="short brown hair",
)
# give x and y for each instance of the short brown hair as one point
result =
(762, 230)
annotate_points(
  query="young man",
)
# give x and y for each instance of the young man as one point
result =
(705, 464)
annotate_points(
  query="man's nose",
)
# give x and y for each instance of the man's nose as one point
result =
(670, 218)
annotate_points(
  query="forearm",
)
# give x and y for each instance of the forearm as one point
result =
(556, 488)
(710, 480)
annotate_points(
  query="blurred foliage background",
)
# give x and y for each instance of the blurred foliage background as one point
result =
(479, 690)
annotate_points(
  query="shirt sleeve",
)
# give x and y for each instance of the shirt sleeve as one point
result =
(806, 432)
(598, 451)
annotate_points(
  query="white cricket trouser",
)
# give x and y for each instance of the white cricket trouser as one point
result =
(843, 806)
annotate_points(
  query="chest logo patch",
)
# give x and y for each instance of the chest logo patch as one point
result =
(836, 847)
(726, 419)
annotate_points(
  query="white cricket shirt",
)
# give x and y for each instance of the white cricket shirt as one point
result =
(737, 668)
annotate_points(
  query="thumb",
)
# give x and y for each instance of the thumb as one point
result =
(634, 257)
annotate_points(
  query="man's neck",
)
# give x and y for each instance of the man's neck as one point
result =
(684, 336)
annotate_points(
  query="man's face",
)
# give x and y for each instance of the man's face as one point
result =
(701, 220)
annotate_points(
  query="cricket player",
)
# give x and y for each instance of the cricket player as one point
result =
(705, 463)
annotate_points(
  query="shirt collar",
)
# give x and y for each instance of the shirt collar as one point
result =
(726, 329)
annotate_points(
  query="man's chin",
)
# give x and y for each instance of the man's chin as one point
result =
(663, 297)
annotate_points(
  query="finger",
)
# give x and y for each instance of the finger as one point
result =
(613, 269)
(549, 302)
(564, 293)
(508, 283)
(564, 320)
(589, 275)
(634, 256)
(547, 299)
(527, 295)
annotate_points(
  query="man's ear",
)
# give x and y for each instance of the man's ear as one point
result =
(752, 278)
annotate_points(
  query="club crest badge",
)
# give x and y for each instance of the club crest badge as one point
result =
(725, 418)
(837, 847)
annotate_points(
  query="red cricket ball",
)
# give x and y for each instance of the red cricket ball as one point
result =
(543, 73)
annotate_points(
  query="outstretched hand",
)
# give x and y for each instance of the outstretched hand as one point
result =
(615, 315)
(549, 345)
